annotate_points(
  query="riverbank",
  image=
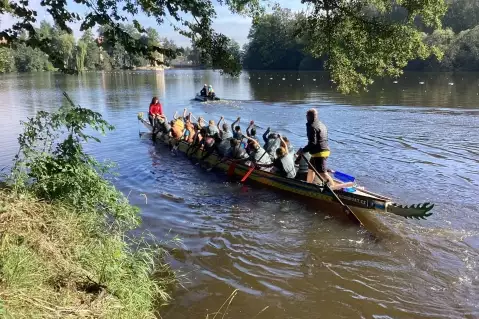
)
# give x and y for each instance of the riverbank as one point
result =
(57, 262)
(64, 245)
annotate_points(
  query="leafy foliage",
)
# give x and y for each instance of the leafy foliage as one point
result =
(361, 40)
(52, 164)
(274, 43)
(112, 15)
(463, 53)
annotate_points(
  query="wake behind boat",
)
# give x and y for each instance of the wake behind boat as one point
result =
(364, 203)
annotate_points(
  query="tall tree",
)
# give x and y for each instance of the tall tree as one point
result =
(7, 61)
(358, 47)
(80, 55)
(361, 46)
(274, 43)
(92, 58)
(462, 15)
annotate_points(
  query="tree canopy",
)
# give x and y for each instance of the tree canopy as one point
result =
(356, 37)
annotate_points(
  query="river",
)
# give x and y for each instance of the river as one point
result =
(415, 140)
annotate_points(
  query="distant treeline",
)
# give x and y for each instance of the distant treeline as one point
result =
(89, 52)
(275, 41)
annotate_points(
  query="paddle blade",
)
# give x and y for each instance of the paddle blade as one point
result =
(245, 177)
(345, 178)
(231, 169)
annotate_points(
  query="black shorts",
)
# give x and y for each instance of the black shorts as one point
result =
(319, 164)
(302, 176)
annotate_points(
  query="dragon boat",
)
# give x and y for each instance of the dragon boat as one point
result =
(364, 203)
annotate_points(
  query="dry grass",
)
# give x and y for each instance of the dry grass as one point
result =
(57, 263)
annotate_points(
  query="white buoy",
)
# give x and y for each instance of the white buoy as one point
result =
(298, 79)
(270, 78)
(421, 83)
(450, 83)
(314, 80)
(283, 79)
(395, 82)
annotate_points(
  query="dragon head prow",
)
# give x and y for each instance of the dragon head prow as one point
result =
(417, 211)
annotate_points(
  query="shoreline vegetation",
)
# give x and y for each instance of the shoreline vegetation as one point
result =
(64, 245)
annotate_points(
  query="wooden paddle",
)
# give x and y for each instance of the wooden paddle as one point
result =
(245, 177)
(346, 208)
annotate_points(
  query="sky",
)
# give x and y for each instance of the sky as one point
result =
(233, 26)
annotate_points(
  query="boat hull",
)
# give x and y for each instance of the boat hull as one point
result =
(205, 98)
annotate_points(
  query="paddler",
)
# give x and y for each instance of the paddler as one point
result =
(236, 129)
(236, 151)
(251, 134)
(317, 146)
(258, 155)
(302, 173)
(284, 162)
(189, 130)
(223, 145)
(212, 129)
(272, 143)
(177, 127)
(288, 143)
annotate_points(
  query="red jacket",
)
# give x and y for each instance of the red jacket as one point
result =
(156, 109)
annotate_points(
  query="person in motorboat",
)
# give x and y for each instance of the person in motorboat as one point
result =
(211, 92)
(317, 146)
(154, 109)
(204, 90)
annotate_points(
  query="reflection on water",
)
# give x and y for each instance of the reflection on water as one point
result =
(414, 142)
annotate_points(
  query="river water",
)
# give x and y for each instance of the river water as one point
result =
(415, 140)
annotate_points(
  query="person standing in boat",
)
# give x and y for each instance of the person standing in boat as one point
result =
(155, 110)
(204, 90)
(317, 146)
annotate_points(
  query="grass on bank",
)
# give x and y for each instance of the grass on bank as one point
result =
(55, 263)
(63, 246)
